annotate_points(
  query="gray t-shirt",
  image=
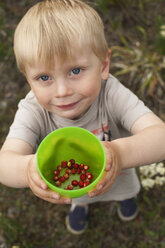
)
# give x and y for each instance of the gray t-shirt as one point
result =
(115, 109)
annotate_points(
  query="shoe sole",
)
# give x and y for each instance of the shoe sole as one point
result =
(72, 230)
(123, 218)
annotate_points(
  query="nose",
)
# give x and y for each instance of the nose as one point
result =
(62, 88)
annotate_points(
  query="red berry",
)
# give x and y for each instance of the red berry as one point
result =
(78, 171)
(81, 184)
(75, 166)
(66, 176)
(86, 167)
(68, 171)
(74, 182)
(55, 178)
(73, 171)
(70, 187)
(88, 180)
(59, 167)
(83, 176)
(81, 166)
(89, 175)
(62, 179)
(86, 184)
(64, 164)
(58, 183)
(83, 171)
(72, 161)
(56, 172)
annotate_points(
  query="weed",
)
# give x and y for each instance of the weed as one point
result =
(141, 62)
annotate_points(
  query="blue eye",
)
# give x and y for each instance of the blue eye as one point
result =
(76, 71)
(45, 78)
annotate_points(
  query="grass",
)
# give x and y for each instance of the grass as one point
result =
(28, 222)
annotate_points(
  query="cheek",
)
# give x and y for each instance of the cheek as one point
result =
(42, 97)
(92, 87)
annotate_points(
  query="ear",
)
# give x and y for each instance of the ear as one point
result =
(106, 65)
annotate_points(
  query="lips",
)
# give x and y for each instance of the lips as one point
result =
(67, 106)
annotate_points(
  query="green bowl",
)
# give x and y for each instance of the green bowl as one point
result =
(70, 143)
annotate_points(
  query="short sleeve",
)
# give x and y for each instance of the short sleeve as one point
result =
(124, 105)
(26, 125)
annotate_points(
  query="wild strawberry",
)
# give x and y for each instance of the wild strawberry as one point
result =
(70, 187)
(68, 171)
(83, 171)
(75, 166)
(64, 164)
(86, 184)
(62, 179)
(73, 171)
(81, 166)
(86, 167)
(72, 161)
(88, 180)
(66, 176)
(89, 175)
(78, 171)
(58, 183)
(55, 178)
(83, 176)
(59, 167)
(56, 172)
(81, 184)
(74, 182)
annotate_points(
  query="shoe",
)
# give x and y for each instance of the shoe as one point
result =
(77, 219)
(127, 210)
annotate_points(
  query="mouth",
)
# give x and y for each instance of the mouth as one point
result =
(67, 106)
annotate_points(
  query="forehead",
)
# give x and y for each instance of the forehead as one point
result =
(81, 57)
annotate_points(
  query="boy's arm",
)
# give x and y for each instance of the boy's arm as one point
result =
(18, 169)
(145, 146)
(15, 155)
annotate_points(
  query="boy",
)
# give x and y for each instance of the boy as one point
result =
(61, 49)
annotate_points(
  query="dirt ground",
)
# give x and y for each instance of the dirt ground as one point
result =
(25, 220)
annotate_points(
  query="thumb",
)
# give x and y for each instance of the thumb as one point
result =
(34, 175)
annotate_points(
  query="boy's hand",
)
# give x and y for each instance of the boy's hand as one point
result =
(112, 170)
(39, 187)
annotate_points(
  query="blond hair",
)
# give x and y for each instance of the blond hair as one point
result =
(53, 28)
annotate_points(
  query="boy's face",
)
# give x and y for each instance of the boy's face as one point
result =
(71, 87)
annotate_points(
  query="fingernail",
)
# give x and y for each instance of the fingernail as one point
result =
(92, 194)
(67, 201)
(43, 186)
(108, 167)
(56, 196)
(100, 186)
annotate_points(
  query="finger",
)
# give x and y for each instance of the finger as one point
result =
(49, 195)
(107, 184)
(103, 184)
(98, 190)
(106, 178)
(62, 200)
(108, 166)
(108, 156)
(43, 193)
(34, 175)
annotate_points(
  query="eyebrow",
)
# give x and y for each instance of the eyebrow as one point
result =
(39, 74)
(71, 65)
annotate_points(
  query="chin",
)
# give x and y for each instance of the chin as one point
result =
(71, 116)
